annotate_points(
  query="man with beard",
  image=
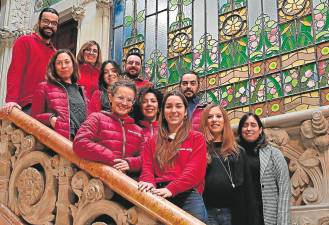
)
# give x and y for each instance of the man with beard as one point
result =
(30, 57)
(189, 85)
(133, 67)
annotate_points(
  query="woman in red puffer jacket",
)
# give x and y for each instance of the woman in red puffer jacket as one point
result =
(90, 60)
(60, 103)
(112, 137)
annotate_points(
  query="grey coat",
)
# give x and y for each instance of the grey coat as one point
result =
(276, 189)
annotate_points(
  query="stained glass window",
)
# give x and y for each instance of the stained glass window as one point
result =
(264, 56)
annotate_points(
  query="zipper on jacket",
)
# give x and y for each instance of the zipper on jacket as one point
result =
(152, 129)
(124, 138)
(68, 107)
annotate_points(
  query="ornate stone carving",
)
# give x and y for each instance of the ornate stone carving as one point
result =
(306, 150)
(91, 201)
(104, 3)
(19, 14)
(78, 12)
(30, 186)
(32, 192)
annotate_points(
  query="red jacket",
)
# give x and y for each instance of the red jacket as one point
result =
(52, 100)
(149, 129)
(143, 83)
(104, 137)
(196, 118)
(95, 104)
(88, 78)
(189, 165)
(28, 68)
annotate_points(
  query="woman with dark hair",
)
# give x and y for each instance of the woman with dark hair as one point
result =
(109, 73)
(269, 172)
(148, 109)
(228, 197)
(112, 137)
(89, 59)
(60, 103)
(174, 161)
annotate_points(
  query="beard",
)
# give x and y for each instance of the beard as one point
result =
(191, 97)
(132, 76)
(45, 34)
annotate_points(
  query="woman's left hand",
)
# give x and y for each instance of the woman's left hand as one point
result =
(121, 164)
(163, 192)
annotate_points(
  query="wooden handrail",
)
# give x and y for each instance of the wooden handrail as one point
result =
(158, 207)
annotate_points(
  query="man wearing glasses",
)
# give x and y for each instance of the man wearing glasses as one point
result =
(30, 57)
(133, 67)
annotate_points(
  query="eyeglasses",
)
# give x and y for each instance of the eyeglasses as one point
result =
(133, 62)
(91, 51)
(49, 23)
(122, 99)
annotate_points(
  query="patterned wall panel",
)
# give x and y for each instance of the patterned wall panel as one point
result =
(269, 57)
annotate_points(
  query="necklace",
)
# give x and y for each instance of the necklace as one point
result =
(229, 174)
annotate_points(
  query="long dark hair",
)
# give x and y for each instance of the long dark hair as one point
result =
(137, 113)
(52, 75)
(101, 81)
(261, 141)
(166, 150)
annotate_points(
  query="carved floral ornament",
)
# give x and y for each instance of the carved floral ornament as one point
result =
(306, 148)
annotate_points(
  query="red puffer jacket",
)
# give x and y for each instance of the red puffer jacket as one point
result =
(95, 104)
(89, 78)
(104, 137)
(52, 100)
(196, 117)
(189, 165)
(149, 129)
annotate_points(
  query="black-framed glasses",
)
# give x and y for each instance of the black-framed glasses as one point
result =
(49, 22)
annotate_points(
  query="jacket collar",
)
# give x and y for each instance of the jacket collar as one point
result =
(39, 39)
(264, 157)
(127, 119)
(147, 124)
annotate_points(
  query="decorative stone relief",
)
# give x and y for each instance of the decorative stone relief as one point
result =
(104, 3)
(306, 150)
(19, 14)
(78, 12)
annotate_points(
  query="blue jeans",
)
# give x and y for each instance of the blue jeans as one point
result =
(191, 202)
(219, 216)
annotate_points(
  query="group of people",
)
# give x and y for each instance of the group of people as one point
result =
(174, 146)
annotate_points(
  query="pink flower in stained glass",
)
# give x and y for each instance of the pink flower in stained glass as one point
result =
(260, 93)
(272, 91)
(288, 88)
(320, 24)
(294, 75)
(252, 37)
(163, 69)
(322, 67)
(230, 91)
(310, 83)
(224, 103)
(308, 73)
(243, 99)
(318, 16)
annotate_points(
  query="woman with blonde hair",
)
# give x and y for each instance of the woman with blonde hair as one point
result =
(228, 197)
(90, 60)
